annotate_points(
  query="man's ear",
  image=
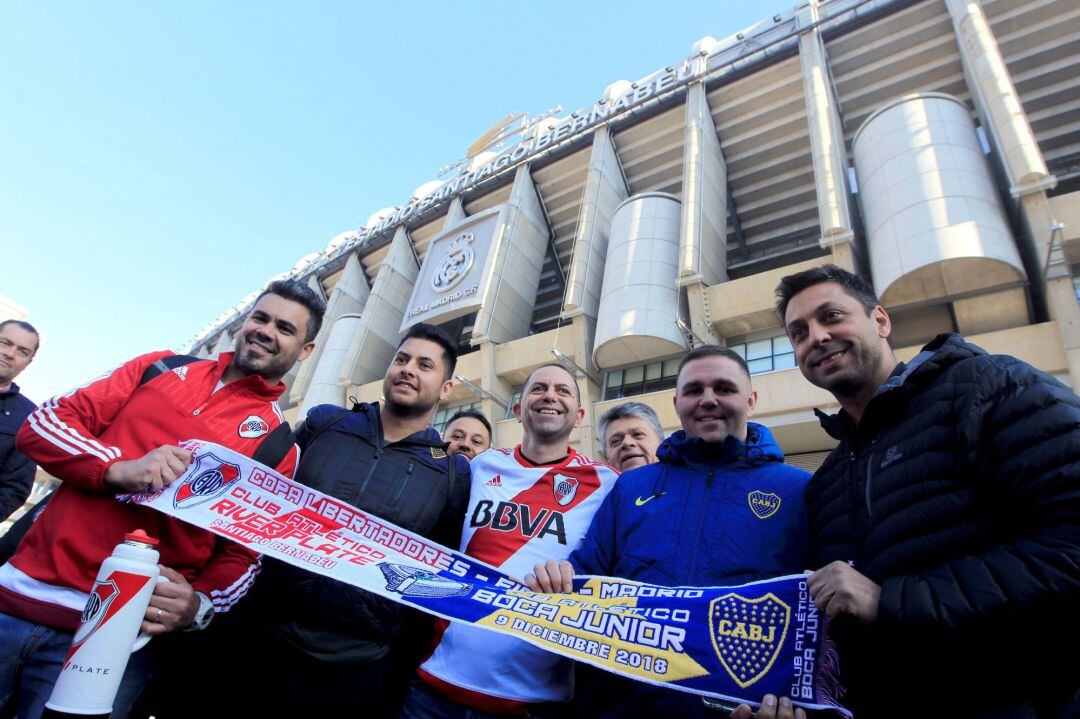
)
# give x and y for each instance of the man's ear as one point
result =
(306, 351)
(447, 387)
(882, 322)
(752, 401)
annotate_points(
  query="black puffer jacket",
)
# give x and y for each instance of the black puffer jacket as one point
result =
(409, 483)
(959, 493)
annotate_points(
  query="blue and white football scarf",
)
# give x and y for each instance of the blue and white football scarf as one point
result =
(734, 643)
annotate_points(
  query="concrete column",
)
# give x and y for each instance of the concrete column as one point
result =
(703, 230)
(604, 190)
(347, 297)
(326, 387)
(224, 343)
(518, 248)
(826, 136)
(454, 214)
(996, 99)
(1060, 295)
(376, 336)
(703, 250)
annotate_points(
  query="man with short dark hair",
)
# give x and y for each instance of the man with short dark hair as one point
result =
(119, 433)
(19, 343)
(945, 527)
(335, 650)
(720, 507)
(468, 433)
(630, 433)
(531, 502)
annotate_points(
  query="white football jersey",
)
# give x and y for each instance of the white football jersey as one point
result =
(519, 514)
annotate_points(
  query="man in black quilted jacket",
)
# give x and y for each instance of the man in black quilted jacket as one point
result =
(945, 527)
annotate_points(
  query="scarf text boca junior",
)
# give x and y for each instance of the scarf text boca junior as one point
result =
(735, 643)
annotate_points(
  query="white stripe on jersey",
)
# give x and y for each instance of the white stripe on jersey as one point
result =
(23, 584)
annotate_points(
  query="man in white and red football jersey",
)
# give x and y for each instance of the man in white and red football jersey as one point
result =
(527, 504)
(119, 433)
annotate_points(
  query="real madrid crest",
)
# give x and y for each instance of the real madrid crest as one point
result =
(455, 265)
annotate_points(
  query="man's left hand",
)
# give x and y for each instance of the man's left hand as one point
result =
(172, 606)
(838, 589)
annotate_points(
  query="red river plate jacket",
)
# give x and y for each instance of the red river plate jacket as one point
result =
(77, 436)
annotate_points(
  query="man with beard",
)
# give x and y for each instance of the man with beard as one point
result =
(528, 503)
(945, 527)
(332, 650)
(119, 433)
(631, 433)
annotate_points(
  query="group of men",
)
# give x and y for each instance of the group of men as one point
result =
(943, 533)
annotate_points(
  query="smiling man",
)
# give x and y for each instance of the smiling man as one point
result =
(119, 433)
(945, 527)
(631, 433)
(334, 648)
(532, 502)
(720, 507)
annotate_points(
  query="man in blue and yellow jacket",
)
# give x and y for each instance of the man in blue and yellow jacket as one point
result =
(719, 508)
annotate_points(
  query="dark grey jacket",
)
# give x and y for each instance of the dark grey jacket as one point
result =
(959, 493)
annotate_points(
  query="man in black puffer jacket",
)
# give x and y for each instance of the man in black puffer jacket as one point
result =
(945, 527)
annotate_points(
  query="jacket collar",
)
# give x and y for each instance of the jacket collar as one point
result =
(252, 384)
(426, 437)
(938, 355)
(759, 448)
(12, 390)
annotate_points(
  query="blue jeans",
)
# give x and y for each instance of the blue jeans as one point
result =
(30, 659)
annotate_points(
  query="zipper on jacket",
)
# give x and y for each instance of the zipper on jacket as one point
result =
(869, 473)
(404, 483)
(380, 442)
(697, 533)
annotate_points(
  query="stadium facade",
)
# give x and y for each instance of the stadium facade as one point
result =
(933, 146)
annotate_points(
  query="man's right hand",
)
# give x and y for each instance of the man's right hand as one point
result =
(551, 577)
(153, 471)
(770, 709)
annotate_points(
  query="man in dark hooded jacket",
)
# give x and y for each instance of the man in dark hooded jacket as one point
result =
(320, 647)
(719, 508)
(945, 527)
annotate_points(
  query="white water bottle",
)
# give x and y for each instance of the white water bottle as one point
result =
(109, 631)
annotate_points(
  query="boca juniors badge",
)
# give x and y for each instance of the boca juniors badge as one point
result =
(565, 489)
(763, 505)
(207, 480)
(747, 634)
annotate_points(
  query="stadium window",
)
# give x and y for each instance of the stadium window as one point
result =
(515, 397)
(766, 355)
(443, 415)
(641, 379)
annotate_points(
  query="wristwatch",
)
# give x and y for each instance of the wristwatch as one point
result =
(203, 614)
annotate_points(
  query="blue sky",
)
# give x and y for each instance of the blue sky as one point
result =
(159, 161)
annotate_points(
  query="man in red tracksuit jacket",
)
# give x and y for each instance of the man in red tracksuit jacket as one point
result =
(117, 435)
